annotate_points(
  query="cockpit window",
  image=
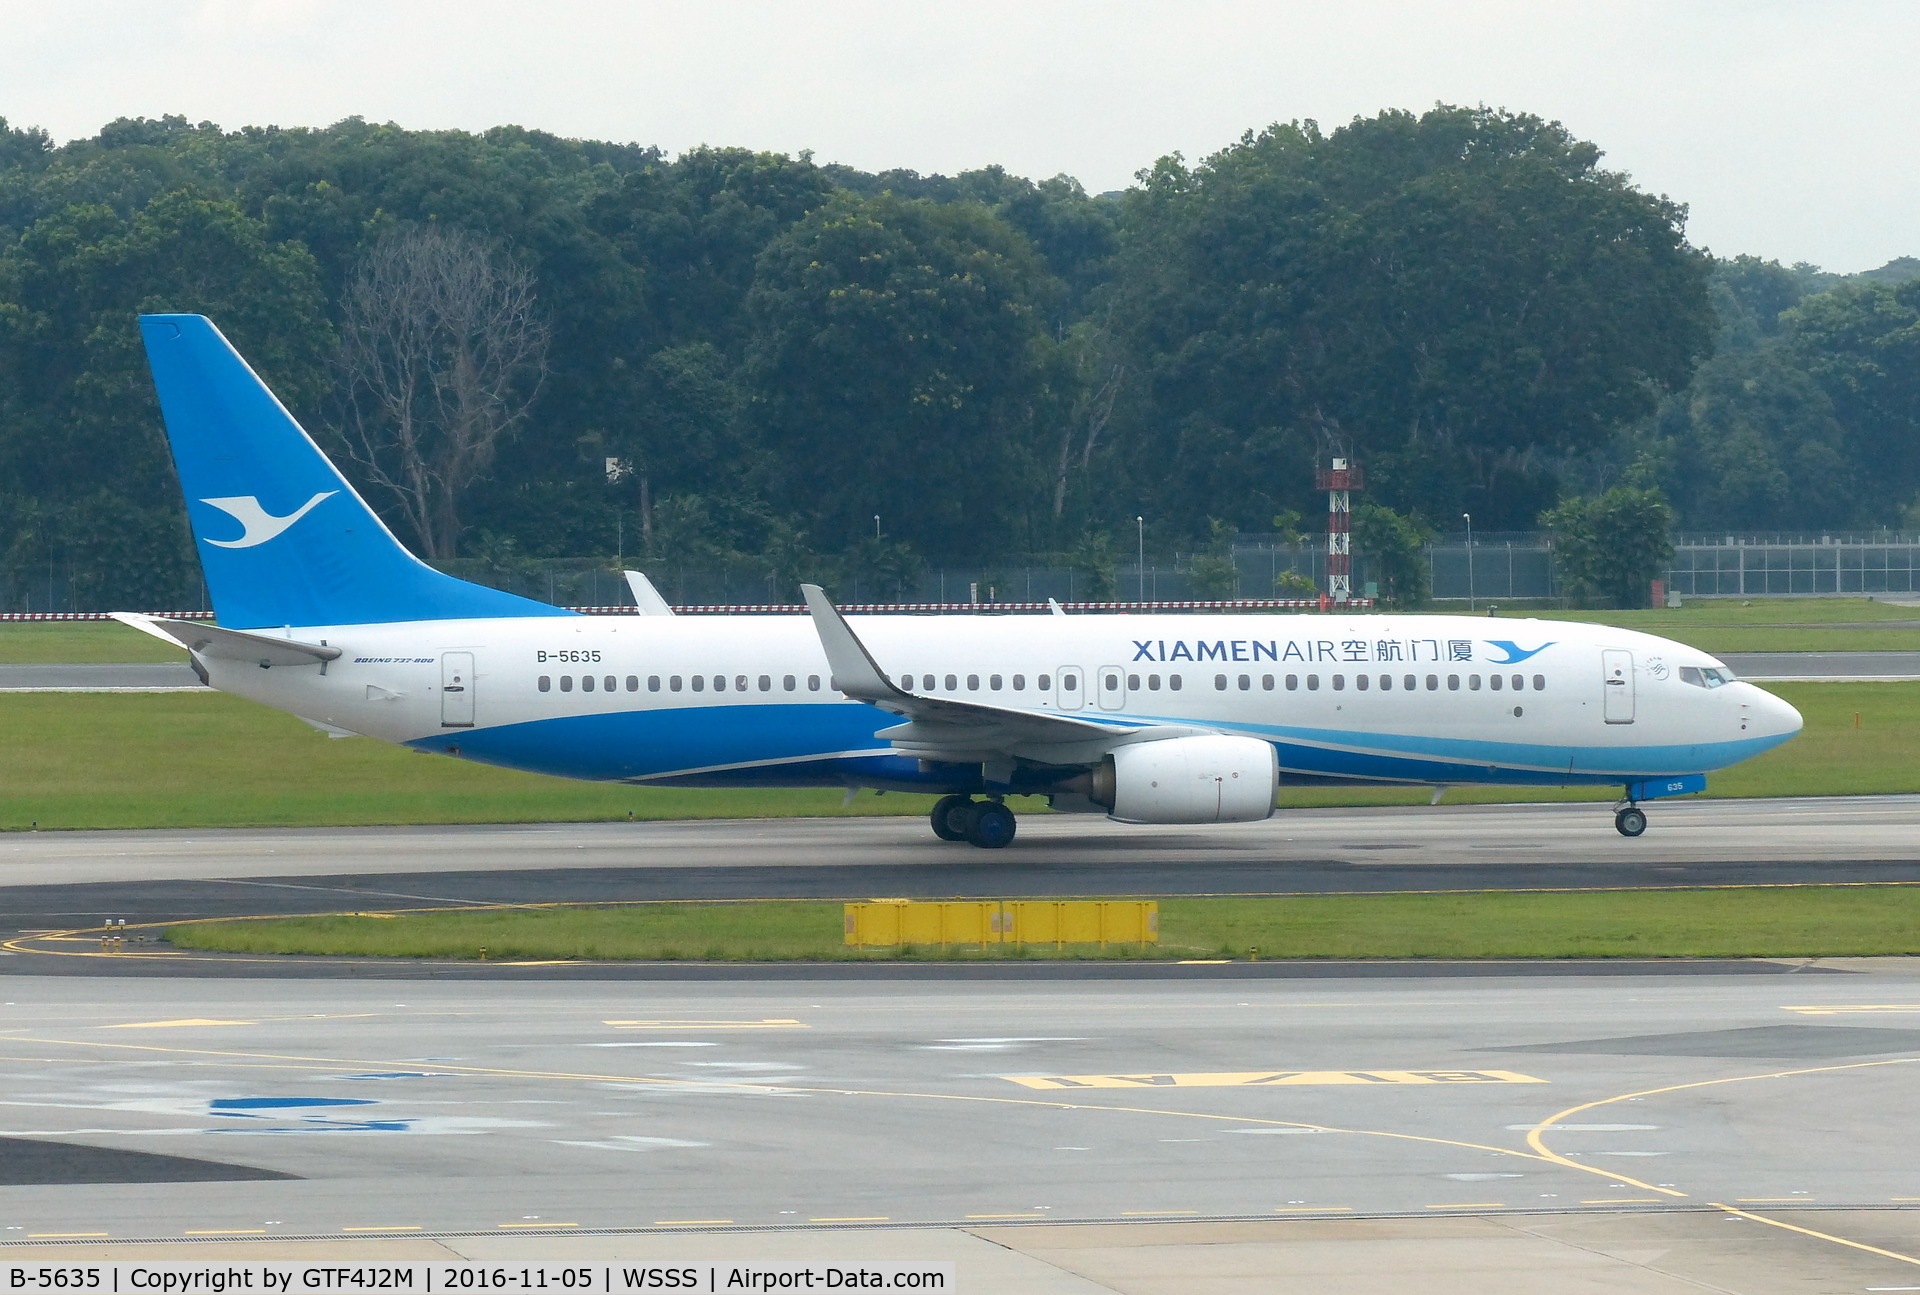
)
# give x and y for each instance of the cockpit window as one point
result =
(1705, 676)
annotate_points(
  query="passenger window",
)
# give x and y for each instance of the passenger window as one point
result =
(1043, 682)
(1386, 683)
(766, 683)
(1293, 683)
(699, 682)
(1539, 683)
(973, 683)
(1113, 683)
(546, 683)
(1069, 681)
(740, 683)
(1453, 683)
(633, 683)
(1496, 682)
(1246, 682)
(1410, 682)
(674, 683)
(1266, 681)
(1313, 683)
(1173, 682)
(719, 683)
(787, 682)
(586, 683)
(1019, 683)
(813, 683)
(1153, 683)
(566, 683)
(1519, 682)
(1433, 683)
(1133, 683)
(610, 683)
(1220, 682)
(1360, 681)
(1473, 683)
(993, 682)
(906, 681)
(653, 683)
(926, 683)
(953, 683)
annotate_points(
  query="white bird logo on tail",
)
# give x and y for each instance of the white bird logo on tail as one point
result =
(260, 524)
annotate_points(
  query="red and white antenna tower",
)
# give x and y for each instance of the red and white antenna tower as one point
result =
(1338, 481)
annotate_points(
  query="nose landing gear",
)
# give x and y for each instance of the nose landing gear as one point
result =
(985, 823)
(1629, 820)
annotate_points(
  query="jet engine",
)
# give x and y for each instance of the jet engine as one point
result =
(1208, 779)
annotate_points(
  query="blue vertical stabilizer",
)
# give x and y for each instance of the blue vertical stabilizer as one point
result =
(283, 538)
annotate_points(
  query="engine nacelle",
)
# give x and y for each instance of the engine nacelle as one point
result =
(1190, 780)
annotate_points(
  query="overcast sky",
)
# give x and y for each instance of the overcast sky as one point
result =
(1789, 128)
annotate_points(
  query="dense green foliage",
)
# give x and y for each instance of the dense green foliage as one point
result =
(753, 357)
(1612, 546)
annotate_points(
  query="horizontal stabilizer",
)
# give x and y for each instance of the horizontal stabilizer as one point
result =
(212, 642)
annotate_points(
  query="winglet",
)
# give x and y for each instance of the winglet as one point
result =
(855, 672)
(646, 597)
(1053, 605)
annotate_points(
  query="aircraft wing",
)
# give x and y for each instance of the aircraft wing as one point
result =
(966, 732)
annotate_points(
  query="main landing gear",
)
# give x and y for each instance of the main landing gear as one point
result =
(985, 823)
(1629, 820)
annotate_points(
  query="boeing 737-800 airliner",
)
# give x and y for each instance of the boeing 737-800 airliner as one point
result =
(1148, 719)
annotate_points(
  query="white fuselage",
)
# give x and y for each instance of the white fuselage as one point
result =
(717, 700)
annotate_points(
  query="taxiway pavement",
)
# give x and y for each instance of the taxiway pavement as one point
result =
(513, 1118)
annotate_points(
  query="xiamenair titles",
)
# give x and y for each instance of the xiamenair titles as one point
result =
(321, 612)
(1326, 651)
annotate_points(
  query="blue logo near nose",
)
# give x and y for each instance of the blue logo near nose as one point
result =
(1514, 652)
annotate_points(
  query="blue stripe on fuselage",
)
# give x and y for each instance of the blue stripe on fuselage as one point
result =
(807, 745)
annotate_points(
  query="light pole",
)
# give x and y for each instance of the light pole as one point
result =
(876, 526)
(1469, 517)
(1140, 528)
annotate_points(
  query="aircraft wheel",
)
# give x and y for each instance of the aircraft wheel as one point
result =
(1630, 822)
(993, 826)
(946, 824)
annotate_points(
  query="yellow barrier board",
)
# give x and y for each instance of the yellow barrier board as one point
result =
(1276, 1079)
(885, 923)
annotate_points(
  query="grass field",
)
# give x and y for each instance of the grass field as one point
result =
(1734, 922)
(1716, 625)
(79, 643)
(141, 760)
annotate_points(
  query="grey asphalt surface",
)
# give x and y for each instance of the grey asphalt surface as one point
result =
(87, 678)
(479, 1108)
(1824, 665)
(73, 880)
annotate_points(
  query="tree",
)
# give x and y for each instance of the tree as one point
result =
(1457, 298)
(86, 481)
(897, 362)
(442, 352)
(1212, 572)
(1612, 546)
(1861, 344)
(1395, 548)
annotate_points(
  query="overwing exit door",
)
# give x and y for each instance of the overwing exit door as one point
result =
(456, 690)
(1617, 689)
(1112, 691)
(1071, 695)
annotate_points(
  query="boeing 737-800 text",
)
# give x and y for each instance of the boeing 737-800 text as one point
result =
(1149, 719)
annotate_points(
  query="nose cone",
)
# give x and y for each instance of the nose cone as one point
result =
(1769, 717)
